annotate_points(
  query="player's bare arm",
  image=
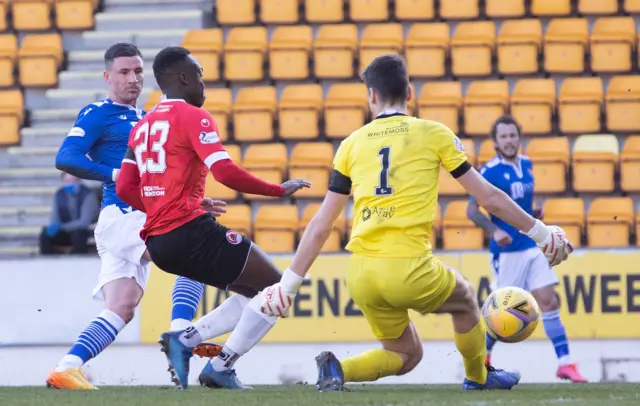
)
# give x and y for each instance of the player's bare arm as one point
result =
(479, 219)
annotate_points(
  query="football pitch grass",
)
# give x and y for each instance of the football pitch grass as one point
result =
(305, 395)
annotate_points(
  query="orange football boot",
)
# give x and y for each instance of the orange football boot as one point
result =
(207, 350)
(70, 379)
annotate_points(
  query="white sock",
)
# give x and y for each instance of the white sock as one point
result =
(564, 360)
(180, 324)
(69, 362)
(251, 328)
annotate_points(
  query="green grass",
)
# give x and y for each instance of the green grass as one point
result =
(382, 395)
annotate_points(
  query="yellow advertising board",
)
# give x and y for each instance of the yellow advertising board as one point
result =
(599, 293)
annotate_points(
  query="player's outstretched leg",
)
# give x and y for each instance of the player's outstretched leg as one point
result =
(185, 299)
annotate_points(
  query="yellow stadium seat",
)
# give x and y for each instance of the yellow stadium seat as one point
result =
(244, 53)
(11, 116)
(597, 7)
(299, 111)
(218, 103)
(4, 11)
(623, 103)
(567, 213)
(411, 10)
(484, 103)
(533, 103)
(75, 14)
(345, 109)
(426, 49)
(236, 12)
(237, 218)
(519, 44)
(334, 242)
(631, 6)
(31, 15)
(472, 48)
(595, 159)
(326, 11)
(411, 103)
(504, 8)
(216, 190)
(275, 227)
(206, 46)
(459, 9)
(334, 50)
(550, 7)
(279, 11)
(565, 44)
(266, 161)
(610, 221)
(289, 52)
(448, 186)
(153, 99)
(39, 60)
(379, 39)
(551, 158)
(612, 43)
(312, 161)
(441, 101)
(8, 52)
(486, 153)
(253, 114)
(436, 227)
(630, 164)
(580, 104)
(368, 10)
(458, 232)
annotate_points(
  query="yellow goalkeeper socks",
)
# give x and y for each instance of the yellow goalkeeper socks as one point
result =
(371, 365)
(472, 347)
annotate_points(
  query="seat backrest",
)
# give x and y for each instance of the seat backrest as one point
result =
(8, 45)
(456, 214)
(234, 151)
(596, 147)
(581, 90)
(487, 92)
(568, 30)
(256, 96)
(564, 210)
(12, 100)
(441, 94)
(42, 44)
(311, 209)
(203, 39)
(347, 95)
(529, 91)
(624, 87)
(631, 148)
(218, 99)
(337, 36)
(298, 36)
(549, 149)
(249, 38)
(609, 28)
(474, 33)
(423, 34)
(153, 99)
(301, 96)
(486, 152)
(382, 35)
(611, 209)
(277, 217)
(237, 216)
(312, 155)
(265, 156)
(521, 31)
(437, 219)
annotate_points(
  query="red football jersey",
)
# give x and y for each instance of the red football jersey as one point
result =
(174, 146)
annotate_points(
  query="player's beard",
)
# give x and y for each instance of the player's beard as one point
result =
(511, 154)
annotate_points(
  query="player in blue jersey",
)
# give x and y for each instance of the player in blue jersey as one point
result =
(515, 258)
(94, 149)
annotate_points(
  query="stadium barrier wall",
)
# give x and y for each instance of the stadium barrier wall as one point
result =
(45, 303)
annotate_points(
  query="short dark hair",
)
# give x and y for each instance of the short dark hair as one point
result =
(121, 49)
(166, 59)
(387, 74)
(505, 119)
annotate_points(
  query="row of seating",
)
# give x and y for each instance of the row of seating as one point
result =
(239, 12)
(37, 60)
(566, 47)
(41, 15)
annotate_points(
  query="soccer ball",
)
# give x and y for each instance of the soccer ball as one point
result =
(510, 314)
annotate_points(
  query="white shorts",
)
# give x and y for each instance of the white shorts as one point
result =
(120, 248)
(527, 269)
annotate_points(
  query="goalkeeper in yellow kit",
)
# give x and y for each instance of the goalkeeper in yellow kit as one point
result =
(392, 166)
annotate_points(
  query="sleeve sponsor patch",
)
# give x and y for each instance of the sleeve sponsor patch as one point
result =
(205, 122)
(459, 145)
(76, 132)
(209, 138)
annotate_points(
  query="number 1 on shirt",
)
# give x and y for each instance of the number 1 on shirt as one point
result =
(384, 189)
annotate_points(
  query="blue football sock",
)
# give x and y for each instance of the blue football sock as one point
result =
(490, 343)
(557, 334)
(185, 297)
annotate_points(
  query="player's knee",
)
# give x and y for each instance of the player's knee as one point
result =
(547, 299)
(468, 300)
(411, 359)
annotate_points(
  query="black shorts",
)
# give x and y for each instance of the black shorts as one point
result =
(202, 250)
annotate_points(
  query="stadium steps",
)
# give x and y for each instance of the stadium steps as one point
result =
(78, 98)
(18, 251)
(169, 19)
(94, 60)
(48, 176)
(25, 157)
(154, 39)
(27, 233)
(26, 196)
(24, 216)
(143, 5)
(53, 119)
(45, 136)
(92, 79)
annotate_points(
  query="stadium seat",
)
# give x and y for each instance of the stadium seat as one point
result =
(472, 48)
(238, 218)
(630, 164)
(279, 11)
(441, 101)
(632, 6)
(519, 46)
(8, 52)
(266, 161)
(459, 9)
(218, 103)
(4, 12)
(216, 190)
(486, 152)
(75, 14)
(244, 53)
(312, 161)
(206, 46)
(253, 114)
(610, 221)
(299, 111)
(533, 103)
(345, 109)
(31, 15)
(612, 44)
(334, 242)
(567, 213)
(426, 49)
(334, 50)
(595, 159)
(275, 227)
(623, 103)
(368, 10)
(565, 44)
(458, 232)
(379, 39)
(580, 105)
(412, 10)
(484, 103)
(597, 7)
(436, 227)
(551, 159)
(326, 11)
(504, 8)
(546, 8)
(289, 52)
(11, 116)
(447, 184)
(236, 12)
(412, 104)
(153, 99)
(39, 59)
